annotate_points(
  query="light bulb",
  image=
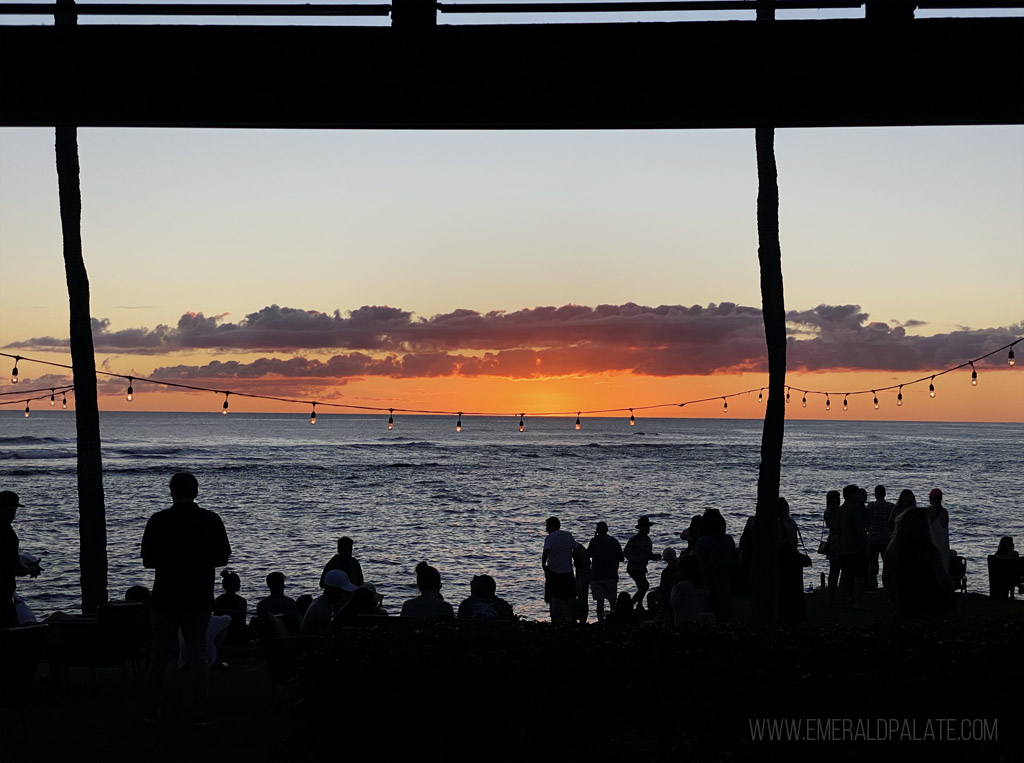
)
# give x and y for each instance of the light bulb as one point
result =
(725, 405)
(899, 397)
(846, 405)
(787, 397)
(458, 424)
(64, 402)
(828, 403)
(391, 419)
(759, 396)
(312, 416)
(876, 399)
(974, 376)
(224, 408)
(53, 400)
(931, 388)
(1010, 358)
(14, 371)
(131, 392)
(577, 421)
(26, 409)
(632, 418)
(522, 425)
(805, 401)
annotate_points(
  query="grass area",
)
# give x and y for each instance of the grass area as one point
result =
(533, 691)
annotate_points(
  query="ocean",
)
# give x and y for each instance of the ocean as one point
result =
(473, 502)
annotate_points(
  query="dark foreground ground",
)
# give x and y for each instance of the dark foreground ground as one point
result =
(851, 686)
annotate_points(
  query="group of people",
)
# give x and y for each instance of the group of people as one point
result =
(912, 541)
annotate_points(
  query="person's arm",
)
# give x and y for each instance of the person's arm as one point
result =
(544, 559)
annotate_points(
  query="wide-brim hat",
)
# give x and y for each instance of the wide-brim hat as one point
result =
(10, 498)
(643, 522)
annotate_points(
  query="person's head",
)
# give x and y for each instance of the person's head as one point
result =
(1005, 545)
(483, 585)
(906, 499)
(302, 603)
(669, 555)
(880, 492)
(862, 495)
(624, 601)
(275, 582)
(601, 529)
(644, 524)
(850, 492)
(713, 523)
(138, 593)
(692, 533)
(832, 499)
(230, 580)
(783, 508)
(184, 487)
(9, 505)
(552, 524)
(689, 569)
(935, 497)
(428, 579)
(345, 545)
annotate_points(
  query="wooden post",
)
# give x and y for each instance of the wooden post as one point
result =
(92, 520)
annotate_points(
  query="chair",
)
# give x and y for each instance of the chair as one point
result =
(1004, 574)
(116, 636)
(21, 650)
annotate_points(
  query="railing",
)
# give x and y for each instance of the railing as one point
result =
(425, 13)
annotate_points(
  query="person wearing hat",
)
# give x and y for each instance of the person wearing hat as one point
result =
(11, 564)
(638, 552)
(338, 589)
(938, 523)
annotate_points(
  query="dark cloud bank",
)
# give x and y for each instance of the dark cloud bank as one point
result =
(669, 340)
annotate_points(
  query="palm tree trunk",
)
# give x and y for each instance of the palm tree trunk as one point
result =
(765, 576)
(92, 520)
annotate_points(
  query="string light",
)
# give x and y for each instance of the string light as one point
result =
(577, 421)
(64, 402)
(805, 401)
(899, 397)
(931, 388)
(725, 405)
(14, 371)
(974, 376)
(1010, 358)
(787, 395)
(458, 424)
(131, 392)
(522, 425)
(828, 403)
(632, 418)
(224, 408)
(312, 416)
(26, 409)
(845, 404)
(759, 396)
(391, 419)
(876, 399)
(53, 400)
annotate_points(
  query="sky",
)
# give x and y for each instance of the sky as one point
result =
(524, 271)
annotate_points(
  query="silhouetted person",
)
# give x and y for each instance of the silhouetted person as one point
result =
(624, 612)
(605, 554)
(303, 603)
(361, 603)
(938, 522)
(483, 602)
(184, 544)
(429, 604)
(11, 565)
(716, 552)
(638, 552)
(853, 546)
(832, 503)
(878, 533)
(913, 574)
(344, 561)
(668, 578)
(791, 569)
(338, 589)
(906, 500)
(1005, 549)
(582, 568)
(689, 598)
(559, 581)
(277, 603)
(230, 603)
(691, 535)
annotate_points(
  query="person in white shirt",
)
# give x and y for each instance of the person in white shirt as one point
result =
(559, 581)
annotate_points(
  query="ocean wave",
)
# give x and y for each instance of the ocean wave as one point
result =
(29, 440)
(36, 454)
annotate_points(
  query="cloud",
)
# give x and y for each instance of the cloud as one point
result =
(571, 340)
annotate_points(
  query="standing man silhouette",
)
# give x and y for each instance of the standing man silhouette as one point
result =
(184, 544)
(638, 552)
(559, 581)
(11, 564)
